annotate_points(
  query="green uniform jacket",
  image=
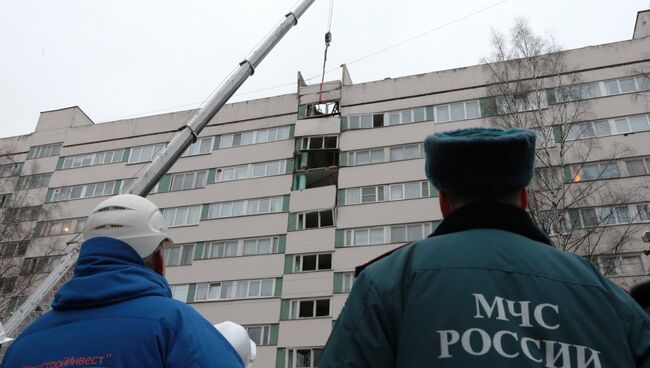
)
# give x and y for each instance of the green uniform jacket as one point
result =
(487, 289)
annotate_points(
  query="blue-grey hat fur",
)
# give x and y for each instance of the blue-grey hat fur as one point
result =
(479, 161)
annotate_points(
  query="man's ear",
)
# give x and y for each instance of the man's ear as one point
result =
(523, 198)
(445, 207)
(158, 262)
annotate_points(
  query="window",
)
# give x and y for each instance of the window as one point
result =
(621, 265)
(62, 227)
(261, 335)
(521, 102)
(182, 216)
(408, 152)
(312, 262)
(34, 181)
(180, 255)
(180, 292)
(303, 358)
(254, 137)
(416, 189)
(631, 124)
(544, 137)
(14, 249)
(7, 284)
(38, 265)
(348, 281)
(45, 151)
(596, 171)
(260, 246)
(457, 111)
(246, 207)
(84, 191)
(320, 142)
(363, 121)
(387, 234)
(316, 219)
(10, 170)
(243, 289)
(309, 308)
(414, 115)
(91, 159)
(189, 180)
(201, 146)
(31, 213)
(240, 247)
(144, 153)
(318, 109)
(257, 170)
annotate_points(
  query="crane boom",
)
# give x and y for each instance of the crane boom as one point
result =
(167, 156)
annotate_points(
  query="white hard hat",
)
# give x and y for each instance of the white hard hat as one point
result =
(131, 219)
(238, 338)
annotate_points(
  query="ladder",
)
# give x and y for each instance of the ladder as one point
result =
(161, 163)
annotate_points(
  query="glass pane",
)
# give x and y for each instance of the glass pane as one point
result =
(377, 236)
(186, 257)
(231, 248)
(174, 256)
(611, 87)
(397, 234)
(622, 215)
(472, 109)
(419, 114)
(457, 111)
(309, 263)
(621, 126)
(414, 232)
(643, 82)
(201, 291)
(241, 290)
(396, 192)
(180, 292)
(226, 141)
(276, 204)
(241, 172)
(610, 170)
(362, 157)
(247, 138)
(264, 246)
(376, 156)
(251, 206)
(442, 113)
(227, 289)
(406, 116)
(273, 134)
(365, 121)
(601, 128)
(324, 261)
(361, 237)
(368, 194)
(250, 247)
(394, 118)
(188, 181)
(644, 212)
(193, 216)
(396, 153)
(177, 182)
(635, 167)
(226, 209)
(214, 291)
(353, 196)
(147, 153)
(627, 85)
(215, 208)
(412, 151)
(228, 174)
(638, 123)
(238, 208)
(259, 170)
(265, 205)
(267, 287)
(254, 288)
(412, 190)
(322, 308)
(181, 216)
(273, 168)
(255, 334)
(262, 136)
(589, 172)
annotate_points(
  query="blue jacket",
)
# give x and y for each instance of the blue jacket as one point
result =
(116, 312)
(487, 290)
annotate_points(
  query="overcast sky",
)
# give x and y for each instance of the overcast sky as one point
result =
(117, 59)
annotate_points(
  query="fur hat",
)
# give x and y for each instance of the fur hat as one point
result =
(480, 161)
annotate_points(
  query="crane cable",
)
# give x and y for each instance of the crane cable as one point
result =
(328, 39)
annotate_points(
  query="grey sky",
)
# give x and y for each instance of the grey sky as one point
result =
(117, 59)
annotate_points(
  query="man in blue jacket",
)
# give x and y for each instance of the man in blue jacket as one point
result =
(487, 288)
(117, 310)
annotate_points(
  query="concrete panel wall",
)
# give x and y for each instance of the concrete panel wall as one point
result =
(231, 228)
(318, 126)
(230, 268)
(308, 241)
(386, 213)
(390, 172)
(243, 311)
(305, 332)
(307, 284)
(313, 199)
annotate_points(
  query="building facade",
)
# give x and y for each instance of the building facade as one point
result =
(280, 198)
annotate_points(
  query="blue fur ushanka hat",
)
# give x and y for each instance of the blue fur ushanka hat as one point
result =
(480, 161)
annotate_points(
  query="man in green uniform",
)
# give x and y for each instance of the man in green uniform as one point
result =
(487, 288)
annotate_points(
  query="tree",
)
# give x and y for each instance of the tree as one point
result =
(570, 198)
(22, 192)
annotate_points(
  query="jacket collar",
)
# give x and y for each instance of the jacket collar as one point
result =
(491, 215)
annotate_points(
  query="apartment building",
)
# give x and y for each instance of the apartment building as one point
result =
(280, 198)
